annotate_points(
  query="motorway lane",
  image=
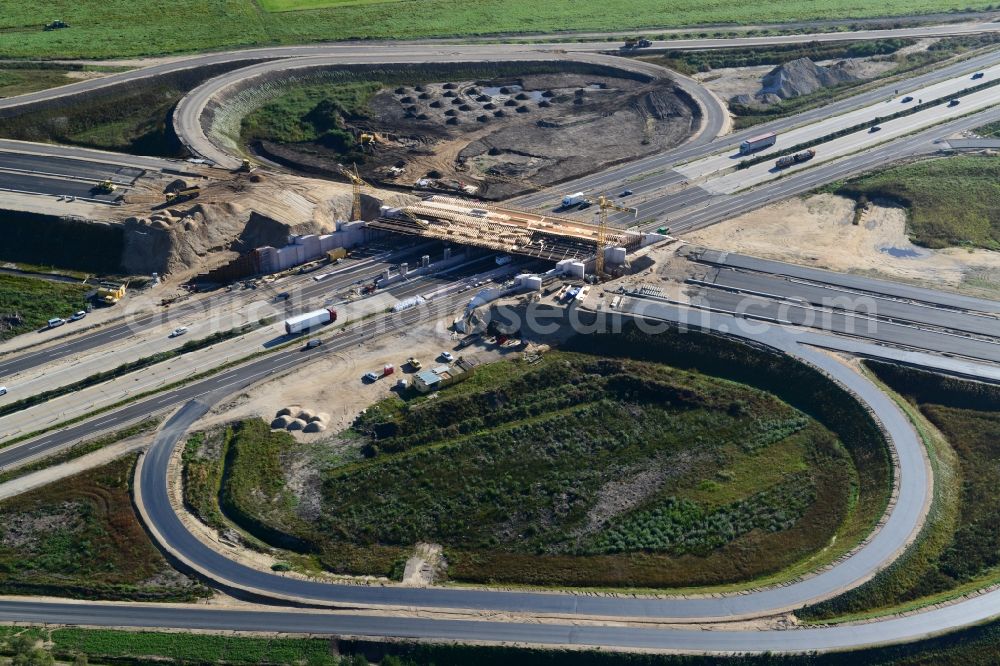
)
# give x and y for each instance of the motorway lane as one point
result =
(869, 302)
(913, 336)
(30, 183)
(305, 289)
(87, 170)
(227, 381)
(662, 165)
(845, 280)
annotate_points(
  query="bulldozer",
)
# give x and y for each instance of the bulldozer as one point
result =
(246, 166)
(105, 187)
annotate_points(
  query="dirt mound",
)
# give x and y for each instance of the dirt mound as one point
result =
(234, 215)
(803, 76)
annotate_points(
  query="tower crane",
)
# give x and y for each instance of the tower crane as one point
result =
(356, 180)
(605, 204)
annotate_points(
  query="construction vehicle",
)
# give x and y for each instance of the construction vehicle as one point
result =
(605, 204)
(789, 160)
(756, 143)
(184, 195)
(110, 293)
(304, 322)
(369, 140)
(246, 166)
(636, 43)
(414, 364)
(105, 187)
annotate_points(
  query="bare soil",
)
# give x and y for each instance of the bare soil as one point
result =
(540, 128)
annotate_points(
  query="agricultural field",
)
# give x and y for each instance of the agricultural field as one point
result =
(689, 480)
(931, 189)
(82, 538)
(27, 303)
(109, 29)
(960, 550)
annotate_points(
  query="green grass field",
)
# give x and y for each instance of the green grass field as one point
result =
(951, 201)
(493, 471)
(27, 303)
(117, 28)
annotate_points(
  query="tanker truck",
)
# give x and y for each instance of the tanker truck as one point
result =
(304, 322)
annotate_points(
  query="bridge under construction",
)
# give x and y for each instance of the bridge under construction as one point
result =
(504, 229)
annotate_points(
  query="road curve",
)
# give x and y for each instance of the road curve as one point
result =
(899, 527)
(194, 114)
(265, 53)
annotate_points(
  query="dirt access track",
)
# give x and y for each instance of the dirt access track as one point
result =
(506, 134)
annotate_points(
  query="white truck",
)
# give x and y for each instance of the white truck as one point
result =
(756, 143)
(304, 322)
(575, 199)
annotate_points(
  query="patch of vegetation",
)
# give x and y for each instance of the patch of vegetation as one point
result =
(189, 25)
(691, 62)
(966, 554)
(951, 201)
(314, 113)
(975, 646)
(134, 119)
(27, 303)
(491, 469)
(82, 538)
(18, 78)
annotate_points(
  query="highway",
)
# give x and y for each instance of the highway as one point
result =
(698, 207)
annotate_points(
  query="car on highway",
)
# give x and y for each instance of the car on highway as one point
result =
(77, 316)
(907, 99)
(874, 128)
(180, 330)
(625, 193)
(283, 296)
(978, 75)
(55, 322)
(447, 356)
(321, 277)
(312, 344)
(953, 102)
(3, 390)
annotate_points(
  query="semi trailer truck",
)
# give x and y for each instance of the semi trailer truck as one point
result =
(755, 143)
(574, 199)
(304, 322)
(789, 160)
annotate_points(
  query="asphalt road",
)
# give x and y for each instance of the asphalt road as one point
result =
(305, 291)
(32, 183)
(901, 523)
(879, 307)
(855, 283)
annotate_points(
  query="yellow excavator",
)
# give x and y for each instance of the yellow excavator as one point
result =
(105, 187)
